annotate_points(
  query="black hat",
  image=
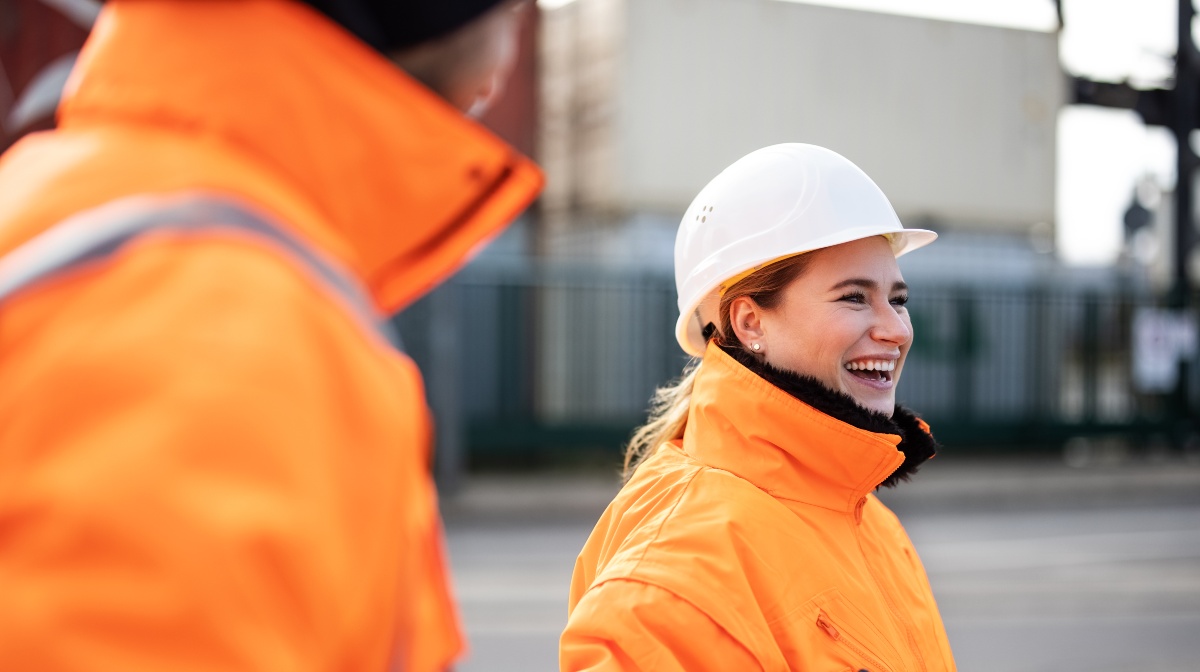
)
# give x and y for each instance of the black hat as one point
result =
(390, 25)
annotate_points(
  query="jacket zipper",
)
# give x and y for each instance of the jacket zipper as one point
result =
(831, 630)
(887, 598)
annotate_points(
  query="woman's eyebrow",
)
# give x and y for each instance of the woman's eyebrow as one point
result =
(867, 284)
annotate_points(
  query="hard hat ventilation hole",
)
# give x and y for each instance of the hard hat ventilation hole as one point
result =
(703, 219)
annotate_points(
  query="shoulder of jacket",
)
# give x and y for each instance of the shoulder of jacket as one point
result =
(654, 619)
(682, 507)
(692, 544)
(196, 241)
(189, 304)
(714, 540)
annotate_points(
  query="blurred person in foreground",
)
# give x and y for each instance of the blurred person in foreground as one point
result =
(747, 536)
(211, 457)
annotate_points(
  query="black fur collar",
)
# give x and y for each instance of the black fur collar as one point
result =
(916, 444)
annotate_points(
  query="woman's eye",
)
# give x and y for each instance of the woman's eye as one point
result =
(900, 300)
(854, 297)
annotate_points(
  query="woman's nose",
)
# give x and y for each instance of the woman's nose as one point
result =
(891, 326)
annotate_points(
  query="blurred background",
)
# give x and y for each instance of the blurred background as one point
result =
(1051, 146)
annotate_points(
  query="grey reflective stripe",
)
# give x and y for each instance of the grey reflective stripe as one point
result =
(97, 233)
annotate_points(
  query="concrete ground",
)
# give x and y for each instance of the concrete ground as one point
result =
(1037, 566)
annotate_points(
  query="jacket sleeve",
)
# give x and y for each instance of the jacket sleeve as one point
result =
(191, 478)
(625, 625)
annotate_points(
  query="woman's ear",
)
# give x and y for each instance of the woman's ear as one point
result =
(745, 316)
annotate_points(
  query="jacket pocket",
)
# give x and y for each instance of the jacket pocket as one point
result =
(869, 661)
(828, 634)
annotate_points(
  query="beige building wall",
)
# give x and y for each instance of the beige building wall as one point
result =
(645, 100)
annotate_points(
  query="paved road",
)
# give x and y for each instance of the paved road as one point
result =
(1037, 568)
(1104, 590)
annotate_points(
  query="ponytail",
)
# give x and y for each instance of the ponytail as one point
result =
(668, 418)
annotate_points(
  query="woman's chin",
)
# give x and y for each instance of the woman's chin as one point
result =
(885, 407)
(871, 395)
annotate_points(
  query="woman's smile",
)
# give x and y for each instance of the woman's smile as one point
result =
(875, 372)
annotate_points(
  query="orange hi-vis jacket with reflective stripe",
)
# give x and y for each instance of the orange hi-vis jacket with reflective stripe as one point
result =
(208, 459)
(754, 544)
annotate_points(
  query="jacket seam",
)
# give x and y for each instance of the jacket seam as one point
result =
(772, 493)
(663, 523)
(768, 492)
(815, 506)
(693, 605)
(898, 613)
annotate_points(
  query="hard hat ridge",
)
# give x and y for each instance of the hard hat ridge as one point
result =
(775, 202)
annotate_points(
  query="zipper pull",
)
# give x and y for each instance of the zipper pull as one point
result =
(858, 508)
(824, 624)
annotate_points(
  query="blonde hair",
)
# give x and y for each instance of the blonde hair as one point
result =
(668, 418)
(670, 404)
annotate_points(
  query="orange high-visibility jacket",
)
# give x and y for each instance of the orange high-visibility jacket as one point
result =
(207, 461)
(754, 544)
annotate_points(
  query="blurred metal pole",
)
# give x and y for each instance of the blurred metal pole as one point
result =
(1090, 357)
(450, 460)
(964, 353)
(1187, 80)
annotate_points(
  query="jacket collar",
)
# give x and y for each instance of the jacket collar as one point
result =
(742, 423)
(409, 187)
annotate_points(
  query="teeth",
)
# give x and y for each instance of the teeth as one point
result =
(872, 365)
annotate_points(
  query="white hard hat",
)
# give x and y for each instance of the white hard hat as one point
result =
(773, 203)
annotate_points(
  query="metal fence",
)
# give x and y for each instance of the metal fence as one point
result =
(524, 362)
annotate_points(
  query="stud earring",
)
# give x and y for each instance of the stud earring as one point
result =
(756, 346)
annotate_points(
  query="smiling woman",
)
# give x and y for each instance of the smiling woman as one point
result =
(746, 536)
(841, 321)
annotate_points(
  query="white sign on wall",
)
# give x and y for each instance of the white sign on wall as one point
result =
(1161, 339)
